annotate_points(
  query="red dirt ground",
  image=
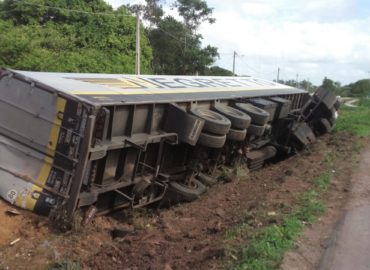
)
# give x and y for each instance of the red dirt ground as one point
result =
(186, 236)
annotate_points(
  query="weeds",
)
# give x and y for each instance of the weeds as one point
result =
(65, 265)
(355, 120)
(322, 182)
(268, 245)
(237, 231)
(311, 207)
(266, 250)
(242, 228)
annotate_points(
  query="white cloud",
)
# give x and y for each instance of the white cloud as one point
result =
(272, 34)
(313, 38)
(257, 9)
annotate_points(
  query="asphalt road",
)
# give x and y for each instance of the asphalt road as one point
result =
(349, 246)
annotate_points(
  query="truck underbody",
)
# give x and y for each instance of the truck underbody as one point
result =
(76, 141)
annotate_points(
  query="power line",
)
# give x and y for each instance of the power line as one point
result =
(108, 14)
(104, 13)
(81, 11)
(101, 13)
(224, 53)
(171, 35)
(268, 74)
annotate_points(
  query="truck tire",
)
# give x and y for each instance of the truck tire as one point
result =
(210, 140)
(259, 116)
(238, 118)
(213, 122)
(322, 126)
(256, 130)
(188, 193)
(333, 117)
(325, 125)
(207, 180)
(236, 135)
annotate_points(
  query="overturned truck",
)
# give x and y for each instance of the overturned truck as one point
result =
(73, 141)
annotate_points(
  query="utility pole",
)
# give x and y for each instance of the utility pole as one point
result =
(296, 80)
(234, 56)
(137, 61)
(278, 75)
(368, 96)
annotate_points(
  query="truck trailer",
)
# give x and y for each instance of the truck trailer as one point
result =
(73, 141)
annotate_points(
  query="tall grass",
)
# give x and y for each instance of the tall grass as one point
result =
(355, 119)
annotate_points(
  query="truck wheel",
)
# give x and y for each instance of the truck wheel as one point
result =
(239, 119)
(236, 135)
(207, 180)
(333, 117)
(214, 122)
(256, 130)
(259, 116)
(188, 193)
(324, 126)
(210, 140)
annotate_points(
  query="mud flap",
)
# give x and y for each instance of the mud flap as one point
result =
(187, 126)
(303, 135)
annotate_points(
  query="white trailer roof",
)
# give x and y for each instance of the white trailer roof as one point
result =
(113, 88)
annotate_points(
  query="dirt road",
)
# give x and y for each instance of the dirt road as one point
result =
(349, 246)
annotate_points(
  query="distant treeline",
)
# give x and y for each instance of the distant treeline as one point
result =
(360, 88)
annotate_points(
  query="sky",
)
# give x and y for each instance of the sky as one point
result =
(312, 39)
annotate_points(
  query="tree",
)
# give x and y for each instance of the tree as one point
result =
(328, 84)
(89, 36)
(217, 71)
(360, 88)
(331, 85)
(307, 85)
(48, 35)
(177, 48)
(152, 10)
(175, 54)
(194, 12)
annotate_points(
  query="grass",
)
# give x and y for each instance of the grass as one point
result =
(355, 120)
(65, 265)
(268, 245)
(322, 182)
(266, 249)
(242, 228)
